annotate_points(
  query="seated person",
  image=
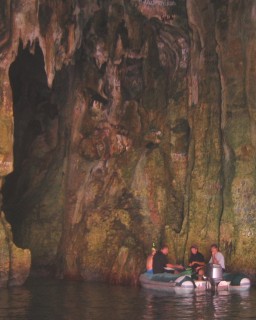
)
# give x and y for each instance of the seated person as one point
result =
(217, 257)
(160, 261)
(149, 264)
(196, 260)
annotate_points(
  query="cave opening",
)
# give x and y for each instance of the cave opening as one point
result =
(33, 114)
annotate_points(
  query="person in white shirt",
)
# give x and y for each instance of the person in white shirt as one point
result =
(217, 257)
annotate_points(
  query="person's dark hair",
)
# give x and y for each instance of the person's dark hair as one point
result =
(163, 246)
(214, 245)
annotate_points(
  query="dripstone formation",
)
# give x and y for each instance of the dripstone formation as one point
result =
(124, 123)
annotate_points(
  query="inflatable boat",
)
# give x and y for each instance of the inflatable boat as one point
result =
(167, 282)
(184, 282)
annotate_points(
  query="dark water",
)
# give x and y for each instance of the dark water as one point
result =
(61, 300)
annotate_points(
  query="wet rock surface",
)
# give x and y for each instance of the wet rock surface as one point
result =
(131, 122)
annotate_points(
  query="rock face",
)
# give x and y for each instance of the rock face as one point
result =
(131, 122)
(15, 262)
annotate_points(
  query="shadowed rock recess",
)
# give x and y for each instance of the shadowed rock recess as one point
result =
(124, 123)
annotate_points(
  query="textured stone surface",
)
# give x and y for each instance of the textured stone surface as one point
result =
(15, 262)
(134, 122)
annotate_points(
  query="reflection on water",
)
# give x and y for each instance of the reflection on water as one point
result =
(201, 305)
(61, 300)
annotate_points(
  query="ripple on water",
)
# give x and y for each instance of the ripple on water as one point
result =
(62, 300)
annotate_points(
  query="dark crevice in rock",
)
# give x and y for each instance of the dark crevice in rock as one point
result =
(44, 17)
(36, 138)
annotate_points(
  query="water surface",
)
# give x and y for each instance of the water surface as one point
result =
(63, 300)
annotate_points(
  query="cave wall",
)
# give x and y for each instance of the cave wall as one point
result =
(132, 122)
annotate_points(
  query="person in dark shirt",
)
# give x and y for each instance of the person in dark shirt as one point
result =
(160, 261)
(196, 260)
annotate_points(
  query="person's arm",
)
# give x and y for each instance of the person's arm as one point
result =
(200, 263)
(214, 259)
(174, 266)
(149, 264)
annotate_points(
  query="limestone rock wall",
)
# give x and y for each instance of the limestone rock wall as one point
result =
(15, 262)
(133, 122)
(236, 30)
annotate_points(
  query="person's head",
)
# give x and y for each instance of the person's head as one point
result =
(214, 248)
(164, 249)
(194, 249)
